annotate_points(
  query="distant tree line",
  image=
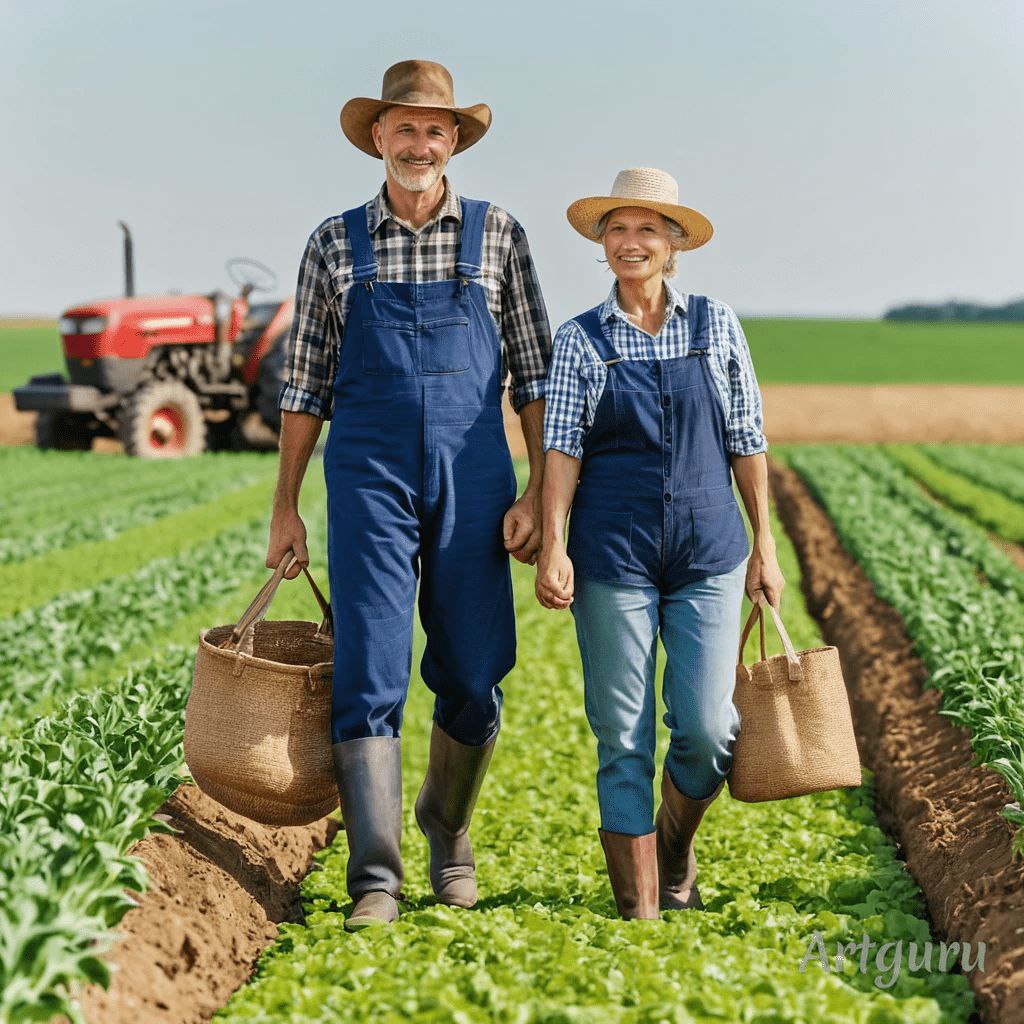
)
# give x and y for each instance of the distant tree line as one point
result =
(953, 310)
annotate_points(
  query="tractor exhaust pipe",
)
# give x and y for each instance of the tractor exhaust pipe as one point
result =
(129, 261)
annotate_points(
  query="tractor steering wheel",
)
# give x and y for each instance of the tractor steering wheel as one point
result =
(249, 275)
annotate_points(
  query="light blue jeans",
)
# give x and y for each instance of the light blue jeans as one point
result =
(617, 628)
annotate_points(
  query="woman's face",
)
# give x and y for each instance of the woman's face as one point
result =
(636, 244)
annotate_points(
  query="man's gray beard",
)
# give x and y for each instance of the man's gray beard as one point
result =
(418, 184)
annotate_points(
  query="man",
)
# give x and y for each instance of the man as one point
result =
(408, 313)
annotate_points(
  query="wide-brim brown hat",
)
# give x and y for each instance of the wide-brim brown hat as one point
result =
(650, 189)
(413, 83)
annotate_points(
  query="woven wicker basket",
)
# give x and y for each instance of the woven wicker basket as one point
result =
(257, 722)
(796, 733)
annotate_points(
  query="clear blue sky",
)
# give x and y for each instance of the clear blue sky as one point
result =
(850, 155)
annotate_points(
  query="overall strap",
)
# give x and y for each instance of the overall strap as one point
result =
(470, 262)
(699, 324)
(364, 262)
(592, 326)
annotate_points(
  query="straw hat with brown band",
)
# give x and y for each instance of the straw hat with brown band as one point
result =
(413, 83)
(646, 187)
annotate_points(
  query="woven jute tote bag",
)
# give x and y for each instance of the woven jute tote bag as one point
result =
(257, 722)
(796, 733)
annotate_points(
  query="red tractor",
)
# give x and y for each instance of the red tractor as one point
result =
(169, 375)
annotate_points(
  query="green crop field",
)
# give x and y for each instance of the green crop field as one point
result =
(796, 351)
(785, 351)
(27, 349)
(98, 629)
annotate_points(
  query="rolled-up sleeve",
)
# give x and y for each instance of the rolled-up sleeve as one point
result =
(312, 344)
(525, 328)
(566, 396)
(745, 426)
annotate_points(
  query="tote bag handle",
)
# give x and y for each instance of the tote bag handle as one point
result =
(261, 602)
(796, 672)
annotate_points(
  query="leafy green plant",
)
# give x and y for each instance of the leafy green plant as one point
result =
(80, 786)
(999, 513)
(961, 599)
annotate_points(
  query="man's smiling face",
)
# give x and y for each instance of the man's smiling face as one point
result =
(416, 144)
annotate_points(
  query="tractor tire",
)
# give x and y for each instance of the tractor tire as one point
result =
(163, 420)
(268, 384)
(63, 431)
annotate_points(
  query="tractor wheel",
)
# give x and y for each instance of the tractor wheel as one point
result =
(64, 431)
(163, 420)
(268, 384)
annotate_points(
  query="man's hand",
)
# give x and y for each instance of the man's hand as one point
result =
(555, 582)
(522, 528)
(287, 531)
(764, 574)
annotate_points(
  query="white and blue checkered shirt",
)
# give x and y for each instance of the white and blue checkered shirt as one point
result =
(577, 375)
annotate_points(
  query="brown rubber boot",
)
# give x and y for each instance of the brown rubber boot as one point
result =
(633, 871)
(444, 808)
(675, 826)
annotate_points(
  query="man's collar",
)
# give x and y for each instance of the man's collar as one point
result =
(380, 211)
(675, 301)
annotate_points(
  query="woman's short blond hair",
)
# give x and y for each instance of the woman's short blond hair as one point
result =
(676, 238)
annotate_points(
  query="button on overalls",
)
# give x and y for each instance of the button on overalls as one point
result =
(419, 475)
(655, 503)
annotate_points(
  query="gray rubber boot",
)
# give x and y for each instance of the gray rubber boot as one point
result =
(444, 808)
(369, 776)
(676, 824)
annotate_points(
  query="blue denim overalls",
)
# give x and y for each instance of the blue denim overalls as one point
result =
(658, 547)
(655, 504)
(419, 474)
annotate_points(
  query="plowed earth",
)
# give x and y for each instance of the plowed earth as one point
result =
(218, 890)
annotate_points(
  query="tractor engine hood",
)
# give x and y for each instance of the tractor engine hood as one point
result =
(130, 328)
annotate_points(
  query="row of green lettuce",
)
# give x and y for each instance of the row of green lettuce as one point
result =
(102, 509)
(545, 945)
(961, 598)
(112, 665)
(989, 491)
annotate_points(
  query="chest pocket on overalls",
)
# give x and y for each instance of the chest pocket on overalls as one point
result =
(404, 350)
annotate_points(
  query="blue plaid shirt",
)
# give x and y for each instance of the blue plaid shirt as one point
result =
(577, 376)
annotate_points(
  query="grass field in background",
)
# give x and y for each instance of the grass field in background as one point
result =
(884, 352)
(784, 352)
(28, 348)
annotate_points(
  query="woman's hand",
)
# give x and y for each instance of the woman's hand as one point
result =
(764, 574)
(554, 584)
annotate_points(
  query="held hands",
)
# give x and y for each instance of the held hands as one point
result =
(555, 583)
(522, 528)
(764, 574)
(287, 531)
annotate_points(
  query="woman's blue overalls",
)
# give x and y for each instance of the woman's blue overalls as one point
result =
(418, 476)
(657, 544)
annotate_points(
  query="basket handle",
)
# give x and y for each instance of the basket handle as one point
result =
(261, 602)
(796, 672)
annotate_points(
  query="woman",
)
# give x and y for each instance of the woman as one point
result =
(651, 400)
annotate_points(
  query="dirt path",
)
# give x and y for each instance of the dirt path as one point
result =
(806, 412)
(218, 890)
(943, 812)
(15, 427)
(907, 412)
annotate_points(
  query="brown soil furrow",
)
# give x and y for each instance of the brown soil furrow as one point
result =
(943, 812)
(218, 890)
